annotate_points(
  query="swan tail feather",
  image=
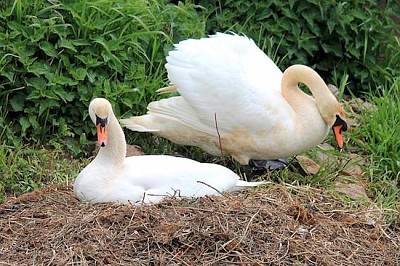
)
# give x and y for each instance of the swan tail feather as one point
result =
(242, 185)
(138, 123)
(168, 89)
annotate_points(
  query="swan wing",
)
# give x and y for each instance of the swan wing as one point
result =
(225, 79)
(163, 175)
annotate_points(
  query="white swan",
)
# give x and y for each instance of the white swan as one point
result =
(235, 101)
(112, 177)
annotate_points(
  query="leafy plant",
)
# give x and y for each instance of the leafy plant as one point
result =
(351, 37)
(56, 56)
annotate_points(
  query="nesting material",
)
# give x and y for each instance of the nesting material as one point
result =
(279, 225)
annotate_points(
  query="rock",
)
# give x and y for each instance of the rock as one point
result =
(133, 150)
(353, 170)
(356, 104)
(359, 105)
(308, 164)
(352, 122)
(326, 146)
(334, 90)
(352, 190)
(369, 106)
(327, 158)
(353, 167)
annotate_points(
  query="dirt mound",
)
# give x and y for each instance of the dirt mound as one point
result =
(276, 225)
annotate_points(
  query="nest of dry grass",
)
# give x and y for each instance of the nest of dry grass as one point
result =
(276, 225)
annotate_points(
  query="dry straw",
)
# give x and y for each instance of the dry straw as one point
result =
(279, 225)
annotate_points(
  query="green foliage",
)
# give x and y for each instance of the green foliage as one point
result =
(379, 132)
(348, 37)
(56, 56)
(378, 137)
(25, 168)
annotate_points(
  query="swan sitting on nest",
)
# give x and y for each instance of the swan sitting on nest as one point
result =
(113, 177)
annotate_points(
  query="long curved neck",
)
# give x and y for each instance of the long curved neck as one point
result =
(301, 102)
(310, 126)
(114, 152)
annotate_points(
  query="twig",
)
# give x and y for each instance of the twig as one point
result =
(219, 136)
(201, 182)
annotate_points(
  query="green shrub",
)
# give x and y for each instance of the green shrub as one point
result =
(56, 56)
(349, 38)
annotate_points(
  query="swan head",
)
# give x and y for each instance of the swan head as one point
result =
(339, 126)
(328, 106)
(335, 117)
(100, 111)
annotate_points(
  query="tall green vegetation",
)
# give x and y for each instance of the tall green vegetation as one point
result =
(56, 56)
(378, 137)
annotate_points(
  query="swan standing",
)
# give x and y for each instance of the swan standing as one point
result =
(113, 177)
(235, 101)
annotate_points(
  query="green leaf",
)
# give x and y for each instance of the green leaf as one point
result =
(48, 104)
(332, 48)
(49, 94)
(24, 122)
(16, 27)
(62, 80)
(331, 25)
(37, 82)
(68, 44)
(39, 68)
(48, 49)
(8, 73)
(17, 102)
(89, 61)
(35, 94)
(34, 123)
(64, 95)
(38, 34)
(79, 73)
(61, 29)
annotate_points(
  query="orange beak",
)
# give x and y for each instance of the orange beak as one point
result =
(337, 131)
(102, 134)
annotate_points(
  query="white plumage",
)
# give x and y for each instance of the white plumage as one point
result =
(235, 101)
(112, 177)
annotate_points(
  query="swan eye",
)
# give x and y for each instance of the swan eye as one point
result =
(340, 122)
(101, 121)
